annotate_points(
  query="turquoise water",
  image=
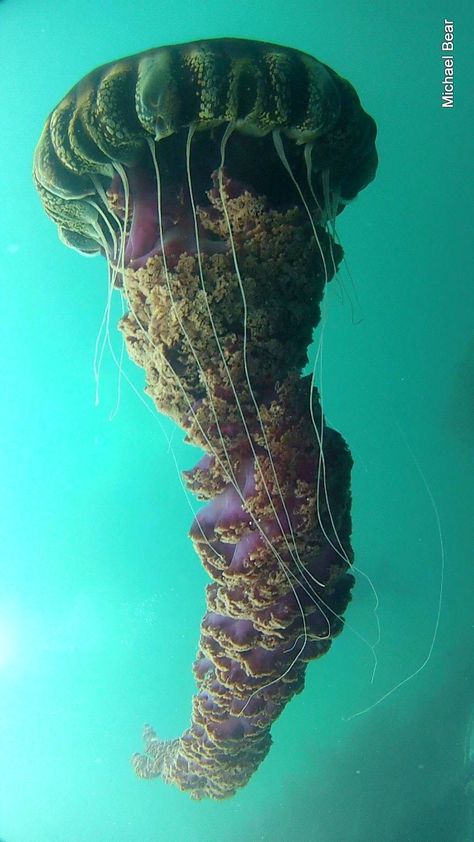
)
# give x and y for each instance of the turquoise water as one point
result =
(101, 593)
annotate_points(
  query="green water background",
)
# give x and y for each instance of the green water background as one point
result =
(101, 594)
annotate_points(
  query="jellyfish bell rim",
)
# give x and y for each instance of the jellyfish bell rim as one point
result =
(63, 164)
(109, 121)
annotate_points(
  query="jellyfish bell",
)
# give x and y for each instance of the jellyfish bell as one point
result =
(104, 128)
(209, 174)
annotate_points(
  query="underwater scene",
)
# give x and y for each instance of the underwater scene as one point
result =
(237, 445)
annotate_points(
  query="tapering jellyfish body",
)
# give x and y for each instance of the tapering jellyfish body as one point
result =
(210, 174)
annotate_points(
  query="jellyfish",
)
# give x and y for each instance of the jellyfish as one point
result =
(210, 175)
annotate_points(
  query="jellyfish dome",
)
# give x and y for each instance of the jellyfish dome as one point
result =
(210, 175)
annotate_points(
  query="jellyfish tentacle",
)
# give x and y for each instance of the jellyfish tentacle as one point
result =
(321, 478)
(228, 131)
(117, 259)
(177, 315)
(224, 140)
(333, 238)
(276, 135)
(306, 574)
(319, 432)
